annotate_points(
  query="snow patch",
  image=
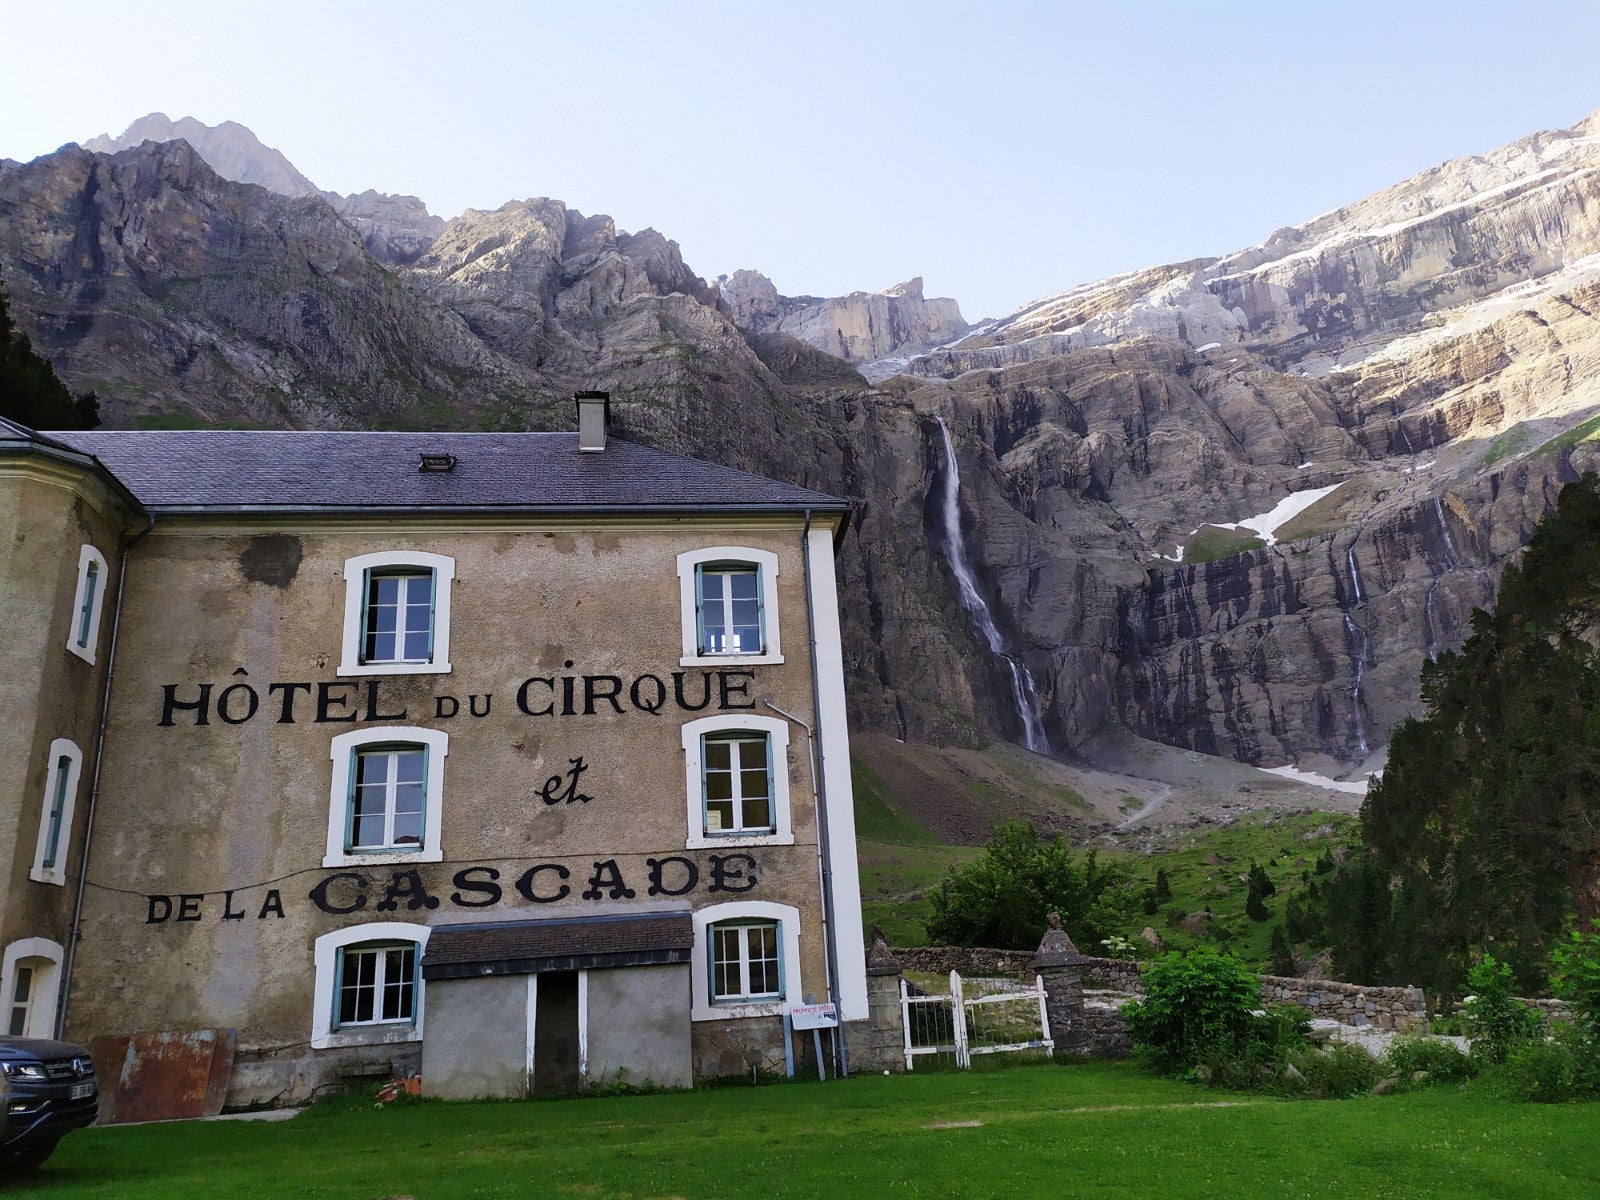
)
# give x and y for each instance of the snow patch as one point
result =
(1207, 346)
(1356, 787)
(1266, 525)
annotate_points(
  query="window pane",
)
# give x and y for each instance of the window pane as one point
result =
(756, 814)
(24, 984)
(408, 766)
(719, 754)
(719, 816)
(763, 946)
(719, 785)
(399, 618)
(725, 957)
(742, 585)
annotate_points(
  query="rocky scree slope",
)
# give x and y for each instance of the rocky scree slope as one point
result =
(1095, 434)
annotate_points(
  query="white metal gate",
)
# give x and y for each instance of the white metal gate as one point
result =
(983, 1023)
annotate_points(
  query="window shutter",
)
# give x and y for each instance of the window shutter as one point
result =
(700, 621)
(433, 603)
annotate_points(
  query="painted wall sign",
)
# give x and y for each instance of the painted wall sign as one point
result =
(349, 702)
(341, 893)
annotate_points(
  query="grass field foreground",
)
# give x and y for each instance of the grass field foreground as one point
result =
(1088, 1130)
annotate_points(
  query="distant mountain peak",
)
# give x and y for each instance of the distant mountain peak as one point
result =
(232, 151)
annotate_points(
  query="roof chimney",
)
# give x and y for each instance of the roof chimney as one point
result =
(594, 414)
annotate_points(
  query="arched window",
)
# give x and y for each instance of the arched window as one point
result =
(745, 961)
(83, 636)
(736, 775)
(55, 816)
(397, 613)
(368, 984)
(387, 797)
(728, 597)
(30, 985)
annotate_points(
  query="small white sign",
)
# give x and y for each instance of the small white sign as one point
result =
(814, 1016)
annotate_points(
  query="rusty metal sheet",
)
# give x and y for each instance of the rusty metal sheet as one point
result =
(167, 1075)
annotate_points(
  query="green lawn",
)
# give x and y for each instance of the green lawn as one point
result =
(1082, 1130)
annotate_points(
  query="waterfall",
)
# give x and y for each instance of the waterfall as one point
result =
(1188, 604)
(1427, 620)
(1449, 546)
(1022, 688)
(1358, 649)
(1355, 575)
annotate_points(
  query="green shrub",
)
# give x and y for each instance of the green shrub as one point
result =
(1576, 978)
(1003, 897)
(1338, 1072)
(1496, 1020)
(1442, 1060)
(1543, 1072)
(1199, 1007)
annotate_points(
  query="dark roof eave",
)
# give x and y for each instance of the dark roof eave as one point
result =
(797, 508)
(45, 447)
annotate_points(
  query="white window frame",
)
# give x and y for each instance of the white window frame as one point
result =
(84, 641)
(356, 573)
(766, 564)
(343, 752)
(325, 997)
(702, 1007)
(46, 987)
(65, 784)
(777, 734)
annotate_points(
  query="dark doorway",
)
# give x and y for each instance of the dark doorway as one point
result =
(555, 1034)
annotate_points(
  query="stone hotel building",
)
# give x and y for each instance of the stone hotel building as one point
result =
(516, 760)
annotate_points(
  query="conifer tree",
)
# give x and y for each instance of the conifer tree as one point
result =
(30, 392)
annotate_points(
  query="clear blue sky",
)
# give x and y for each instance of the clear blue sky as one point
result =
(1001, 150)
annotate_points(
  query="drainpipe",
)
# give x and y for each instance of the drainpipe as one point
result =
(841, 1070)
(94, 789)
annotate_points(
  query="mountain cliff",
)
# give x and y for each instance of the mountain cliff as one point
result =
(1230, 504)
(876, 331)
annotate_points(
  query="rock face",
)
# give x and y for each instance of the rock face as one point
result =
(232, 151)
(879, 331)
(395, 229)
(1425, 362)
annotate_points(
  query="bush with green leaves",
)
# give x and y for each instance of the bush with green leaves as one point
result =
(1497, 1022)
(1544, 1072)
(1442, 1060)
(1201, 1007)
(1337, 1072)
(1003, 897)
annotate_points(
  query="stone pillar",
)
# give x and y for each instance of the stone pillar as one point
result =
(881, 1045)
(1058, 962)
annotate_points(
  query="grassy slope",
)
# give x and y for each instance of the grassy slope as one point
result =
(1091, 1130)
(901, 860)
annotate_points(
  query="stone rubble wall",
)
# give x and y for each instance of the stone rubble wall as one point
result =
(1402, 1009)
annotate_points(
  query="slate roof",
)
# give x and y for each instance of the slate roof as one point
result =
(199, 470)
(525, 947)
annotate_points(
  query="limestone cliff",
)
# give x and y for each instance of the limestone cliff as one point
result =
(878, 331)
(395, 229)
(1135, 456)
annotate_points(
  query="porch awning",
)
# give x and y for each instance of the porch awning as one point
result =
(529, 947)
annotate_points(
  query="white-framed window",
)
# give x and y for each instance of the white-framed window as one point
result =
(368, 985)
(30, 984)
(55, 816)
(387, 797)
(83, 636)
(397, 613)
(736, 777)
(728, 597)
(745, 961)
